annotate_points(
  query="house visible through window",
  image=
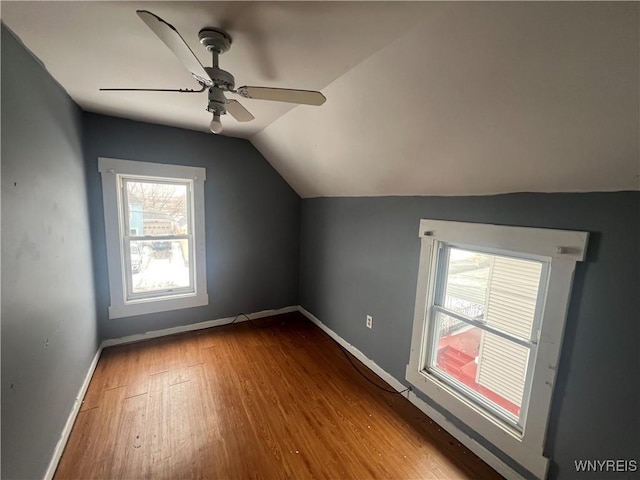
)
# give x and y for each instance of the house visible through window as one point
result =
(491, 303)
(484, 327)
(161, 211)
(154, 219)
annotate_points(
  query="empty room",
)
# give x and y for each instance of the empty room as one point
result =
(341, 240)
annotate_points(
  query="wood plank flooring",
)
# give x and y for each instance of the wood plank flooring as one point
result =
(242, 402)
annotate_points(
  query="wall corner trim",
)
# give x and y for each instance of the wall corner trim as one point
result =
(492, 460)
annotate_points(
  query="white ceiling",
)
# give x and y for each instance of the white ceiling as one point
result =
(423, 98)
(91, 45)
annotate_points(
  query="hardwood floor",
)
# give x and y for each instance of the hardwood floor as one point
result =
(245, 402)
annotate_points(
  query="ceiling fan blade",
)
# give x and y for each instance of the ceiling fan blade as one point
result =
(237, 111)
(179, 90)
(172, 39)
(305, 97)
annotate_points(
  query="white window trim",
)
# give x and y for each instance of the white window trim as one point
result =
(562, 249)
(110, 169)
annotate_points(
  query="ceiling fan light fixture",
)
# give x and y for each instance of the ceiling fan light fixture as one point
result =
(216, 125)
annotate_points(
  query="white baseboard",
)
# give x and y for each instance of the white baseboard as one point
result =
(66, 431)
(194, 326)
(371, 365)
(496, 463)
(489, 458)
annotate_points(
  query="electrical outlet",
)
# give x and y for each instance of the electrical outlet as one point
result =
(369, 321)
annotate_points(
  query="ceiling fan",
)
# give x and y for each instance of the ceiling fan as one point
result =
(214, 79)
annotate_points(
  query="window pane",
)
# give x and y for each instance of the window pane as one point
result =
(157, 208)
(487, 364)
(513, 295)
(501, 291)
(160, 265)
(466, 283)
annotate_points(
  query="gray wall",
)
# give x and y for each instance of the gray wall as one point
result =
(360, 256)
(49, 335)
(252, 220)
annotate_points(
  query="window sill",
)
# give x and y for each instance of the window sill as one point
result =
(155, 306)
(478, 420)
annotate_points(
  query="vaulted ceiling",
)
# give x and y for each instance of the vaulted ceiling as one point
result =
(423, 98)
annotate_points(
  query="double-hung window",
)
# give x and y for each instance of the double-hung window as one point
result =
(490, 308)
(483, 326)
(154, 224)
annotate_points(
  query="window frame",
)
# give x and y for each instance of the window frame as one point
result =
(562, 249)
(130, 295)
(441, 268)
(114, 174)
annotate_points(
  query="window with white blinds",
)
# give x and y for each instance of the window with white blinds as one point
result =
(491, 302)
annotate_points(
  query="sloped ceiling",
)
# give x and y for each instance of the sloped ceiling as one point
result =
(423, 98)
(477, 99)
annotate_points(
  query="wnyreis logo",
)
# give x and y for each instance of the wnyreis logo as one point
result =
(608, 465)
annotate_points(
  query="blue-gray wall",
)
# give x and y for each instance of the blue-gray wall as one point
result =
(252, 220)
(49, 335)
(360, 256)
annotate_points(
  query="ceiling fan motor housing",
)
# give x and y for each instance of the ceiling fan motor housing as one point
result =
(217, 101)
(221, 78)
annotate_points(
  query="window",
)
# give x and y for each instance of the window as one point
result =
(483, 327)
(490, 308)
(154, 223)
